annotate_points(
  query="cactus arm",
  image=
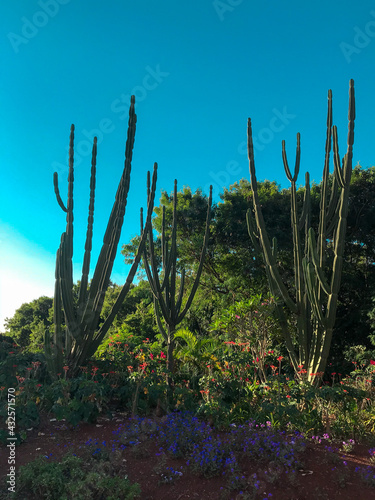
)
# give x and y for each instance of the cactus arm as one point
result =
(50, 358)
(336, 158)
(88, 244)
(55, 361)
(168, 257)
(173, 255)
(125, 289)
(339, 254)
(154, 278)
(322, 230)
(201, 261)
(57, 192)
(159, 322)
(111, 238)
(252, 232)
(333, 202)
(263, 237)
(68, 306)
(144, 254)
(315, 259)
(55, 175)
(306, 203)
(311, 286)
(65, 267)
(298, 159)
(149, 274)
(180, 292)
(294, 220)
(333, 223)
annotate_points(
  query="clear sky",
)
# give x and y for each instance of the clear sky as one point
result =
(198, 70)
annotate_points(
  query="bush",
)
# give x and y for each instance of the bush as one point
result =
(73, 478)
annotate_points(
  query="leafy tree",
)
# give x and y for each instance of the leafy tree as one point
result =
(136, 312)
(29, 322)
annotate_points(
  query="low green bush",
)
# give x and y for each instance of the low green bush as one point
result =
(73, 477)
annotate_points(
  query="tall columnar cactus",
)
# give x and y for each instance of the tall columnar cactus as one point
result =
(315, 299)
(82, 334)
(167, 299)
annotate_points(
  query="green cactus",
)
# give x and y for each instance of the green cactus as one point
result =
(315, 300)
(82, 335)
(167, 300)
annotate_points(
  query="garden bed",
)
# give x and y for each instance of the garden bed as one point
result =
(156, 458)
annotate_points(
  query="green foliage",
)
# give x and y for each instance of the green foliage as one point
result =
(76, 400)
(29, 322)
(251, 323)
(194, 352)
(136, 311)
(72, 478)
(232, 270)
(26, 416)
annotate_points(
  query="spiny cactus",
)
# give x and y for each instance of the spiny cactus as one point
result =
(167, 300)
(82, 332)
(315, 302)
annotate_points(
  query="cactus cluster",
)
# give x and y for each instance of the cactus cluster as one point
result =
(83, 333)
(315, 299)
(168, 300)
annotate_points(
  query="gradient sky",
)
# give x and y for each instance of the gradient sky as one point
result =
(198, 70)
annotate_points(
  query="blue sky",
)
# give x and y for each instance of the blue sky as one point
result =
(198, 70)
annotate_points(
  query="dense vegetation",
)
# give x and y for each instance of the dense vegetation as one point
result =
(229, 350)
(230, 361)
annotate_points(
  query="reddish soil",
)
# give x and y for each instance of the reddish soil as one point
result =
(315, 481)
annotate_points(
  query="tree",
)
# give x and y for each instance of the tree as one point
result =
(29, 322)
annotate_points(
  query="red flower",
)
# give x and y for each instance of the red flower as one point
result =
(372, 362)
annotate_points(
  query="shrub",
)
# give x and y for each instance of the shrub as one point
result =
(73, 478)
